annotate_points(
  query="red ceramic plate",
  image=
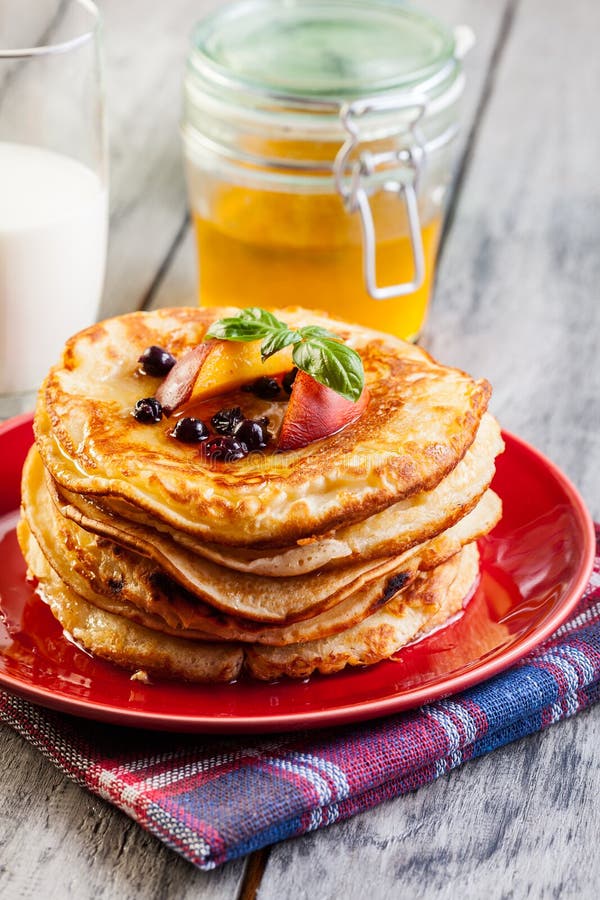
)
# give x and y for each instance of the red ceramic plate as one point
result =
(535, 565)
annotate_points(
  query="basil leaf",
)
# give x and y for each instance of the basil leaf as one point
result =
(237, 329)
(252, 324)
(310, 331)
(277, 341)
(256, 314)
(332, 364)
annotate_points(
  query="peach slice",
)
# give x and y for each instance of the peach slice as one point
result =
(177, 387)
(315, 412)
(217, 367)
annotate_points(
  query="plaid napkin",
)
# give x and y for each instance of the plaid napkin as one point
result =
(215, 799)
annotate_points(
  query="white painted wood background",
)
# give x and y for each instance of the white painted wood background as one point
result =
(517, 300)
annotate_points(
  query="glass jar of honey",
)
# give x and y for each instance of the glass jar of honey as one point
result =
(318, 144)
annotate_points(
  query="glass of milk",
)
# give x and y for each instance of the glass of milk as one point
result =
(53, 187)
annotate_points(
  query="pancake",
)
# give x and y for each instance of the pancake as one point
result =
(421, 419)
(72, 552)
(123, 642)
(162, 606)
(121, 581)
(280, 563)
(430, 601)
(117, 579)
(393, 531)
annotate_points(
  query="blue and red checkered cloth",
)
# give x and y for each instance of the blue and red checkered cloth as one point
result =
(215, 799)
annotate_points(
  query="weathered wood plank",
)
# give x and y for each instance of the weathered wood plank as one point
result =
(518, 283)
(516, 301)
(179, 285)
(145, 50)
(517, 823)
(58, 841)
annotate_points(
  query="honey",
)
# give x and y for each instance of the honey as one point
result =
(248, 269)
(319, 178)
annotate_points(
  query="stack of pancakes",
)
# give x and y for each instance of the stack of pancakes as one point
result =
(277, 564)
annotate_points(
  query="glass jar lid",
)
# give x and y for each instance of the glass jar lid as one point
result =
(322, 51)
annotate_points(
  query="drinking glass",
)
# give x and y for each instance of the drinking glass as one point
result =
(53, 186)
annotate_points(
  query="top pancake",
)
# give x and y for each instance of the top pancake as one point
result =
(420, 421)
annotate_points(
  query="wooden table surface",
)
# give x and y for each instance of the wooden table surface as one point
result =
(516, 301)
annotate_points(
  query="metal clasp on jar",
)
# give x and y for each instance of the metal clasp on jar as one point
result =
(354, 183)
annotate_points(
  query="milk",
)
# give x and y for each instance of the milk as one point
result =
(53, 227)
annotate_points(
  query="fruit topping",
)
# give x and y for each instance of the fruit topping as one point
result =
(223, 449)
(288, 380)
(322, 376)
(148, 410)
(177, 387)
(264, 387)
(225, 421)
(253, 434)
(156, 361)
(190, 431)
(313, 349)
(315, 412)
